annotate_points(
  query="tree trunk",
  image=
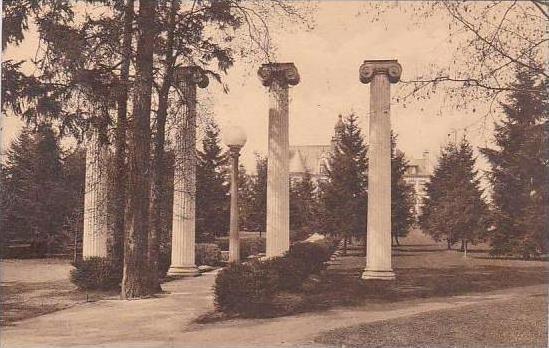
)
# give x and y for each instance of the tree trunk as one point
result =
(345, 246)
(449, 244)
(462, 248)
(119, 194)
(157, 190)
(135, 279)
(396, 240)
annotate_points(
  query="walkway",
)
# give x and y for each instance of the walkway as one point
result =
(166, 322)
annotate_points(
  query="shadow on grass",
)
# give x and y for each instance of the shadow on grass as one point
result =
(344, 288)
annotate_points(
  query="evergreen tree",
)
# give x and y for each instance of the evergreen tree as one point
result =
(258, 212)
(302, 202)
(212, 190)
(402, 195)
(344, 199)
(35, 190)
(518, 174)
(454, 209)
(245, 198)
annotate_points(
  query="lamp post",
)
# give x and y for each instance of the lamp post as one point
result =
(234, 138)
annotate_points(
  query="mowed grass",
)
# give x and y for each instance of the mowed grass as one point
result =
(510, 323)
(424, 269)
(35, 287)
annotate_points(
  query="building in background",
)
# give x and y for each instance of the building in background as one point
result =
(417, 174)
(313, 159)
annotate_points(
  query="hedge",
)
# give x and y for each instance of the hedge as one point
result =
(255, 288)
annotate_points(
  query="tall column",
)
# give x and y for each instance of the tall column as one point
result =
(95, 237)
(278, 76)
(184, 199)
(234, 238)
(380, 73)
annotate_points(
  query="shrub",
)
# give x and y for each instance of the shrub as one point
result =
(291, 272)
(311, 255)
(96, 273)
(252, 246)
(246, 288)
(207, 254)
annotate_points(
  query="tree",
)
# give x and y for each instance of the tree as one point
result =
(518, 174)
(303, 203)
(245, 198)
(212, 189)
(454, 209)
(491, 40)
(136, 280)
(344, 195)
(257, 216)
(402, 195)
(34, 207)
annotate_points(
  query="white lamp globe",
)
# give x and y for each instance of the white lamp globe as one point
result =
(234, 136)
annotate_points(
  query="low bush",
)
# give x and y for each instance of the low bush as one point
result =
(96, 273)
(311, 255)
(207, 254)
(246, 288)
(265, 288)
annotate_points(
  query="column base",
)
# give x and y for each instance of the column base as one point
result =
(183, 271)
(370, 274)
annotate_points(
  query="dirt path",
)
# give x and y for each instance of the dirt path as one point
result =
(166, 322)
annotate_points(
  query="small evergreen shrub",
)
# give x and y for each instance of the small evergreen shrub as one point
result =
(291, 272)
(246, 288)
(311, 255)
(207, 254)
(96, 273)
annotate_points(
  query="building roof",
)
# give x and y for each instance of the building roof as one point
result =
(418, 167)
(307, 158)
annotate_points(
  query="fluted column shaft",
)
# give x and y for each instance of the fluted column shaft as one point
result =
(184, 200)
(278, 76)
(234, 237)
(95, 236)
(278, 194)
(378, 253)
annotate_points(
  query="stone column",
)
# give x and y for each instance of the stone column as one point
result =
(380, 73)
(278, 76)
(184, 199)
(95, 236)
(234, 238)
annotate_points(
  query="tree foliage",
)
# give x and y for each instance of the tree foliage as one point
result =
(518, 175)
(402, 195)
(344, 195)
(454, 209)
(212, 187)
(303, 202)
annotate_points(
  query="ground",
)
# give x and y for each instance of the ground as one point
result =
(487, 301)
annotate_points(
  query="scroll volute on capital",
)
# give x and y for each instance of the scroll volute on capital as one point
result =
(370, 68)
(284, 73)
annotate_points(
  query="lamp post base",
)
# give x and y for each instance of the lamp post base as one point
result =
(369, 274)
(183, 271)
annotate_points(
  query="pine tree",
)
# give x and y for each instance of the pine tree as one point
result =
(35, 187)
(212, 190)
(402, 195)
(344, 199)
(518, 174)
(258, 214)
(454, 209)
(303, 204)
(245, 198)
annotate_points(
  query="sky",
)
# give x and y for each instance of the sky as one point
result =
(328, 58)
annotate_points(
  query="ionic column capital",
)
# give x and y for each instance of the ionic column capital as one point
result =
(285, 73)
(191, 74)
(370, 68)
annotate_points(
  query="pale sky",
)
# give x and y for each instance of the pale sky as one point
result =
(328, 58)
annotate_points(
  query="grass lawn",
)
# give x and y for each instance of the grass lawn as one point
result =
(423, 269)
(511, 323)
(35, 287)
